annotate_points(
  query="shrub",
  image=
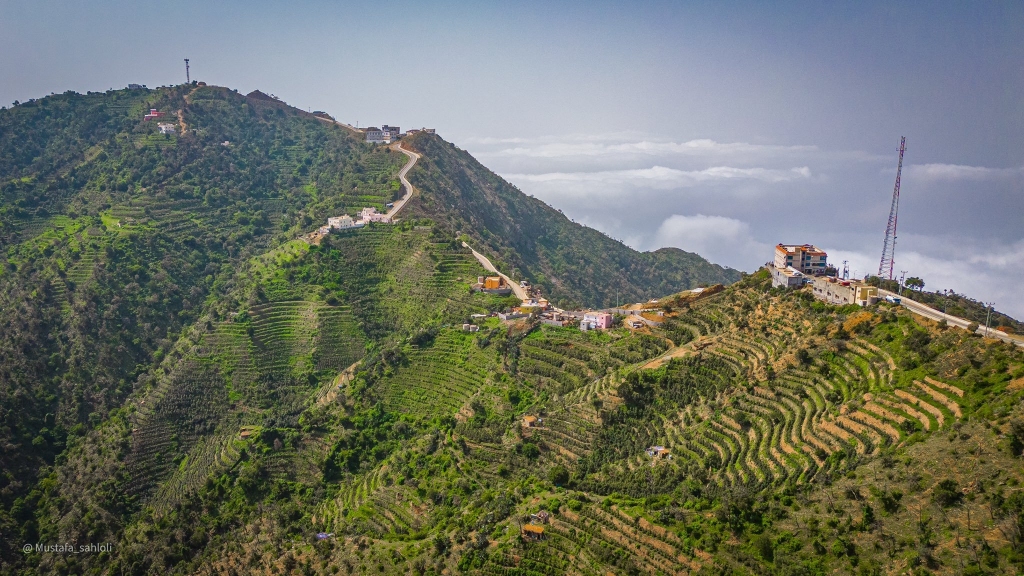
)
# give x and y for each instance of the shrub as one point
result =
(558, 475)
(947, 493)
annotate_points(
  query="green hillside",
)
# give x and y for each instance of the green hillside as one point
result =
(187, 378)
(574, 265)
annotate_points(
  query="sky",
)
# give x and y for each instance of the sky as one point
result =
(721, 128)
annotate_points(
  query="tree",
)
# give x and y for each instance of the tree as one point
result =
(915, 282)
(558, 475)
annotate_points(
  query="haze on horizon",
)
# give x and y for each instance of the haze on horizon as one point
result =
(717, 129)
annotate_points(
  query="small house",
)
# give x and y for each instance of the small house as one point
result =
(166, 128)
(542, 517)
(470, 328)
(533, 532)
(531, 421)
(659, 452)
(153, 113)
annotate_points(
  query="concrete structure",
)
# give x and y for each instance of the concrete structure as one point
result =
(167, 128)
(383, 135)
(806, 258)
(470, 328)
(136, 86)
(343, 222)
(371, 215)
(493, 282)
(596, 320)
(841, 292)
(788, 277)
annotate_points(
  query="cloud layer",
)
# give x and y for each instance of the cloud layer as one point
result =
(961, 226)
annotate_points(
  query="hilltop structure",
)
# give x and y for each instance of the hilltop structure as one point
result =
(383, 135)
(805, 258)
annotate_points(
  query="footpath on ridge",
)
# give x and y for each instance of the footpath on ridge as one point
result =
(519, 291)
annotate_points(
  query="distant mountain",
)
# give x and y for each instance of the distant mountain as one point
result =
(574, 264)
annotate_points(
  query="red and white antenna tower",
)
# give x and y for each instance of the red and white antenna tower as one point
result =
(889, 248)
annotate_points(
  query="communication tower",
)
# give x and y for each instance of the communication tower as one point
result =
(188, 79)
(885, 267)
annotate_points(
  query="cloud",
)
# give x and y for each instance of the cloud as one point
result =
(935, 172)
(563, 149)
(722, 240)
(663, 178)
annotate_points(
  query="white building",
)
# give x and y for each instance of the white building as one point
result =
(384, 135)
(371, 215)
(167, 128)
(787, 277)
(343, 222)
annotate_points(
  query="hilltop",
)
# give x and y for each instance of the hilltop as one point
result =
(185, 377)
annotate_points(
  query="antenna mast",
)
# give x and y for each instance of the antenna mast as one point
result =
(889, 247)
(188, 79)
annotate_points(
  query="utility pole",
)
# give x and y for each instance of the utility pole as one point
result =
(903, 274)
(988, 317)
(188, 79)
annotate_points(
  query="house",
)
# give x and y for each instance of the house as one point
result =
(470, 328)
(788, 277)
(835, 291)
(153, 113)
(533, 532)
(343, 222)
(531, 421)
(554, 319)
(136, 86)
(659, 452)
(535, 304)
(596, 320)
(428, 130)
(167, 128)
(635, 322)
(806, 258)
(392, 131)
(510, 315)
(542, 517)
(493, 282)
(370, 214)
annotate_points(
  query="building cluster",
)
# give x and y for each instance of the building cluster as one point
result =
(383, 135)
(386, 134)
(796, 265)
(346, 222)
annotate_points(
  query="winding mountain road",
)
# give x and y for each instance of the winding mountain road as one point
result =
(413, 157)
(518, 290)
(933, 314)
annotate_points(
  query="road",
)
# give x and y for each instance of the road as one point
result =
(413, 157)
(933, 314)
(518, 290)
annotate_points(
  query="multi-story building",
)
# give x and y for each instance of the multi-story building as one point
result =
(805, 258)
(596, 321)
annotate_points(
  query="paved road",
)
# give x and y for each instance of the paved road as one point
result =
(933, 314)
(413, 157)
(518, 290)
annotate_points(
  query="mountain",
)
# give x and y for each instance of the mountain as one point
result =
(573, 264)
(188, 376)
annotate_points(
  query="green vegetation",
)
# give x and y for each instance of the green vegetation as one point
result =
(186, 378)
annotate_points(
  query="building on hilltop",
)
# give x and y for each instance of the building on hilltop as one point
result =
(805, 258)
(834, 291)
(383, 135)
(788, 277)
(136, 86)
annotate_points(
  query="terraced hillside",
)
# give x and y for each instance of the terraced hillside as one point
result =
(182, 375)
